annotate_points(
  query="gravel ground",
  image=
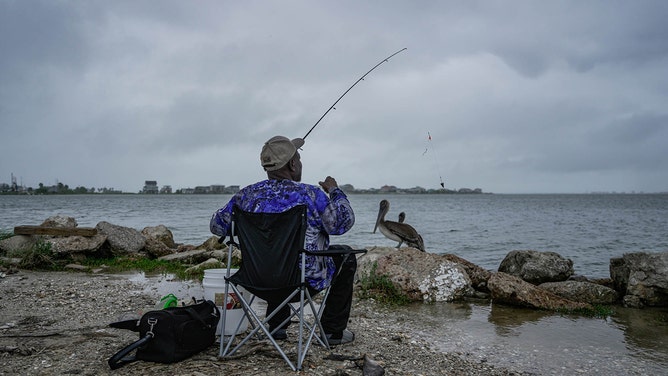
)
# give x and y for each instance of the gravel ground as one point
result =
(55, 323)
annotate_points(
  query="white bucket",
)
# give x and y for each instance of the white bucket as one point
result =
(214, 290)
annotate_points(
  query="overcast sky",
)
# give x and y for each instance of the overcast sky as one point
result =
(518, 96)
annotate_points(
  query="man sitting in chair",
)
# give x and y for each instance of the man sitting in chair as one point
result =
(328, 213)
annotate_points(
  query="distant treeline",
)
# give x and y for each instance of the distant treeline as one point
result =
(57, 189)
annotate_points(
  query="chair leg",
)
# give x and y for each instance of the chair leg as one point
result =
(258, 325)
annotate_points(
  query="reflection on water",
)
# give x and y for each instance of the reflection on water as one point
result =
(631, 342)
(508, 320)
(159, 285)
(645, 331)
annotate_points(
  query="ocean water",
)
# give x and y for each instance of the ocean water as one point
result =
(589, 229)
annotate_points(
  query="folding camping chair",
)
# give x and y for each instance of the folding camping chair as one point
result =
(273, 268)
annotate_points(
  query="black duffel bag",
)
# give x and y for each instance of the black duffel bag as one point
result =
(169, 335)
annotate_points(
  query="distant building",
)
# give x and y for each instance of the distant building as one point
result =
(415, 190)
(388, 189)
(201, 189)
(166, 189)
(232, 189)
(150, 187)
(217, 189)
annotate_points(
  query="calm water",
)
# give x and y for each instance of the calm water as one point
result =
(589, 229)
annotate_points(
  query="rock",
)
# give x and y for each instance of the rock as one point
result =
(60, 221)
(478, 275)
(77, 244)
(78, 267)
(155, 248)
(366, 261)
(160, 233)
(17, 245)
(537, 267)
(211, 263)
(11, 261)
(509, 289)
(423, 276)
(371, 367)
(641, 278)
(212, 243)
(122, 240)
(194, 256)
(582, 291)
(184, 247)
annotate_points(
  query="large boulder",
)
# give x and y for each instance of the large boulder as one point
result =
(155, 248)
(122, 240)
(641, 278)
(161, 233)
(17, 245)
(537, 267)
(69, 245)
(60, 221)
(512, 290)
(479, 275)
(420, 275)
(582, 291)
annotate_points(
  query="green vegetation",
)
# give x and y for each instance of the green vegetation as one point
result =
(598, 311)
(57, 189)
(40, 257)
(5, 235)
(381, 289)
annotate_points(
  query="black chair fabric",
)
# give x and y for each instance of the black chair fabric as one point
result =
(271, 245)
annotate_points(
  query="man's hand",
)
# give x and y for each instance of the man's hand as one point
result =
(328, 184)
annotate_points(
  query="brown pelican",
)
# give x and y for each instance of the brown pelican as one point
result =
(401, 232)
(402, 217)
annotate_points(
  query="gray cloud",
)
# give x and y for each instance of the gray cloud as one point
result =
(521, 97)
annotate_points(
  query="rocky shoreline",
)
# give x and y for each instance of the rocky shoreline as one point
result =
(56, 323)
(526, 278)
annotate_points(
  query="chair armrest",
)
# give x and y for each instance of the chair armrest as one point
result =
(336, 252)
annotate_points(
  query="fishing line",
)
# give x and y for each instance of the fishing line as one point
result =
(346, 92)
(436, 160)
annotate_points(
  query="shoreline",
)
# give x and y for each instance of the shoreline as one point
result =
(56, 323)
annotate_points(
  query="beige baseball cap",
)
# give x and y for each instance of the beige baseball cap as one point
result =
(278, 151)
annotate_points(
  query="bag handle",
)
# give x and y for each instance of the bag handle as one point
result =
(118, 360)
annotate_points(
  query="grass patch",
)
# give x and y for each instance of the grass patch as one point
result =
(40, 257)
(5, 235)
(598, 311)
(380, 288)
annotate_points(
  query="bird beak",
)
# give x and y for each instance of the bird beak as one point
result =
(377, 222)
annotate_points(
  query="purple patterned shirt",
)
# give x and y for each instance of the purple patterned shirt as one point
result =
(325, 216)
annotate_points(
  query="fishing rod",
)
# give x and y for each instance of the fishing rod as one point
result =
(346, 92)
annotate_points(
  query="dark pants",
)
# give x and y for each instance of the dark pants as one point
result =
(337, 307)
